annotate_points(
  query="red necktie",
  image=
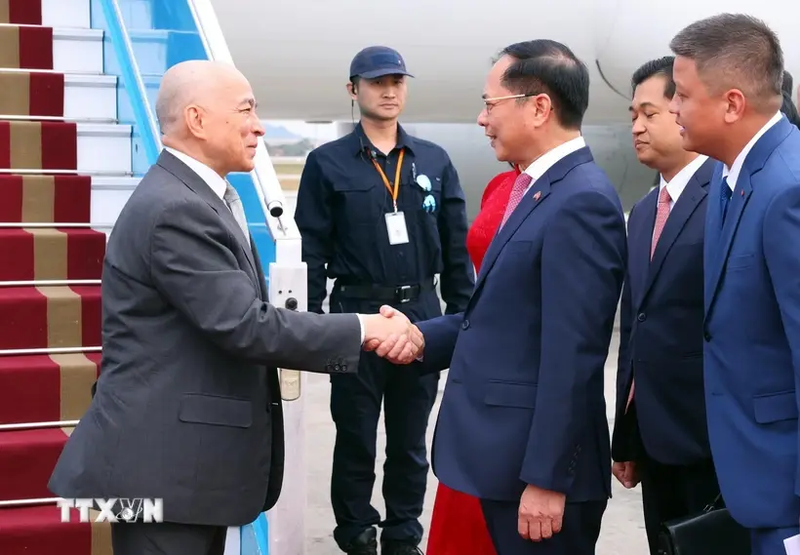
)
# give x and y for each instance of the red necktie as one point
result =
(517, 192)
(662, 213)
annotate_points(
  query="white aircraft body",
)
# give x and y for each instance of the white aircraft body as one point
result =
(297, 56)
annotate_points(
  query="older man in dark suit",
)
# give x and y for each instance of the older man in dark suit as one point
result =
(522, 424)
(188, 407)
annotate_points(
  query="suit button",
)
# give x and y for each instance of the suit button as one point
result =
(642, 317)
(337, 368)
(465, 325)
(707, 336)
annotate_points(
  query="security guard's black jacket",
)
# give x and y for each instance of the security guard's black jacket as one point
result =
(341, 206)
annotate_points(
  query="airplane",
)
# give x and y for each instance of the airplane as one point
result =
(297, 55)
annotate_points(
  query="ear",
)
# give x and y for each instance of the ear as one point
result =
(352, 91)
(735, 105)
(195, 121)
(541, 107)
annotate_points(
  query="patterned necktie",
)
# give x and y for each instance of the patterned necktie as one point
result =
(236, 207)
(517, 192)
(662, 213)
(725, 194)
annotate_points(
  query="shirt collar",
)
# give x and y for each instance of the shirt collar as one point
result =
(209, 176)
(678, 183)
(733, 172)
(544, 162)
(360, 142)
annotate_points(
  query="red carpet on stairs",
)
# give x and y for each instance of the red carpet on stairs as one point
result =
(50, 317)
(32, 145)
(50, 253)
(24, 47)
(46, 244)
(30, 93)
(44, 198)
(46, 388)
(39, 531)
(21, 12)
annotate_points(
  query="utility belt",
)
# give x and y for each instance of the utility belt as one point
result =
(386, 293)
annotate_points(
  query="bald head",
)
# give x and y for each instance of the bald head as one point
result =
(207, 110)
(199, 82)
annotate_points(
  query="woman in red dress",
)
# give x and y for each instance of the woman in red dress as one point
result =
(457, 524)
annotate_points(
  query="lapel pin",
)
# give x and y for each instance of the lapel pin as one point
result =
(537, 196)
(742, 192)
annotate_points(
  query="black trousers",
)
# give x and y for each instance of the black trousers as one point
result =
(578, 536)
(355, 408)
(670, 492)
(167, 538)
(355, 405)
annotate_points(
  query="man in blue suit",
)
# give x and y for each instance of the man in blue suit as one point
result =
(660, 434)
(522, 424)
(728, 72)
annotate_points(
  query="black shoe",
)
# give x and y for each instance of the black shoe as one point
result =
(364, 544)
(389, 547)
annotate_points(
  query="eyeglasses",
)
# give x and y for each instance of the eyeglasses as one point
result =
(489, 103)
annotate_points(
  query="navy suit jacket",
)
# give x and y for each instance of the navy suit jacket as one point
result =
(752, 333)
(524, 400)
(661, 332)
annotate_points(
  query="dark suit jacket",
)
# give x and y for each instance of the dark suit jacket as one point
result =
(188, 406)
(661, 340)
(752, 333)
(524, 400)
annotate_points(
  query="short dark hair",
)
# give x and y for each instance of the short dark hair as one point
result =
(547, 66)
(735, 50)
(661, 67)
(787, 83)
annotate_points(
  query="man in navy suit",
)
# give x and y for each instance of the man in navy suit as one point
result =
(522, 424)
(728, 72)
(660, 434)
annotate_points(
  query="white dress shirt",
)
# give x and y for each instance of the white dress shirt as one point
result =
(547, 160)
(209, 176)
(678, 183)
(733, 172)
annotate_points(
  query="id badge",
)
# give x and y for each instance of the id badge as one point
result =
(396, 228)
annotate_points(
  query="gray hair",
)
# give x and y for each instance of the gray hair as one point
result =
(735, 51)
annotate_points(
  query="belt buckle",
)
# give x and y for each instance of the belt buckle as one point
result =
(400, 293)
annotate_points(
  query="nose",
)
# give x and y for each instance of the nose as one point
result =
(258, 129)
(673, 105)
(483, 117)
(638, 127)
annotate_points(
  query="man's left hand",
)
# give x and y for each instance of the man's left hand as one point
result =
(540, 513)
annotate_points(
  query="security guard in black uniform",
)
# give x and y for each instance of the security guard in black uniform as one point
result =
(382, 213)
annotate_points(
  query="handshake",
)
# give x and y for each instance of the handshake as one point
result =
(392, 336)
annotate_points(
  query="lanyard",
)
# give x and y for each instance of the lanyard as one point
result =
(396, 189)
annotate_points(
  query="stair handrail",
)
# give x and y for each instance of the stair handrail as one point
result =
(123, 47)
(268, 188)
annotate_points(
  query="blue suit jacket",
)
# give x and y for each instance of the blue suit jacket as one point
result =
(752, 333)
(661, 337)
(524, 399)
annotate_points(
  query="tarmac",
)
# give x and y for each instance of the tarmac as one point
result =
(622, 532)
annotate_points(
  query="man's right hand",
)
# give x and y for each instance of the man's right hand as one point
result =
(392, 336)
(626, 473)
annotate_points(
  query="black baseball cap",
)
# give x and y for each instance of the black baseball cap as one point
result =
(377, 61)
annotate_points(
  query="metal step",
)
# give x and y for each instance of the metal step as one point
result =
(66, 13)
